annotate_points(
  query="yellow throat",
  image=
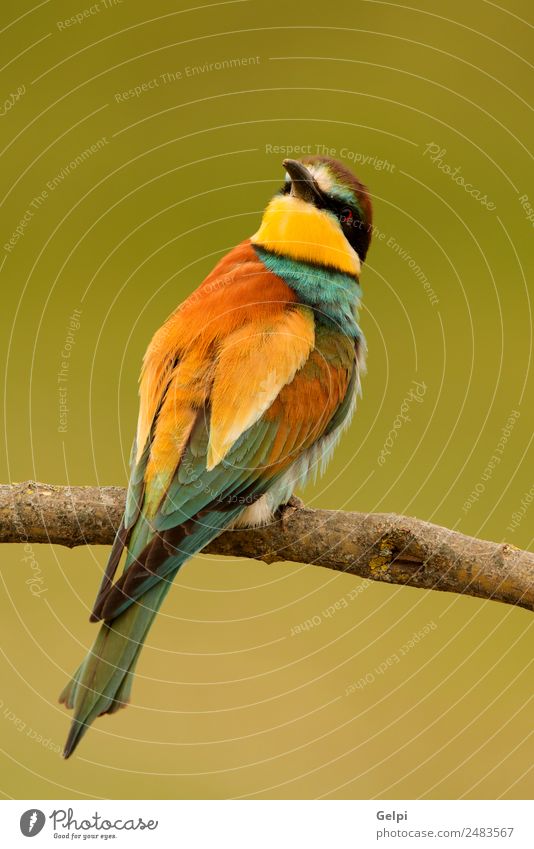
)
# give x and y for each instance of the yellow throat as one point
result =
(291, 227)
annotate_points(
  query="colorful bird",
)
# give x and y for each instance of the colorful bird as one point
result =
(244, 392)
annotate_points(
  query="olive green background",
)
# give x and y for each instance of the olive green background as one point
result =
(228, 703)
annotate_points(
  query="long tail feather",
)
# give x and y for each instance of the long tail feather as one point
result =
(103, 682)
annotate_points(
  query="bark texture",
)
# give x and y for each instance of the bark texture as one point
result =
(380, 546)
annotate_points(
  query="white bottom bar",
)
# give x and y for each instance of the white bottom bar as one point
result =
(268, 824)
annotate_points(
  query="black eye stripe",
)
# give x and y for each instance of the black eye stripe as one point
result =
(344, 211)
(338, 207)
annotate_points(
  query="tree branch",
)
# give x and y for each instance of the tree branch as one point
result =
(379, 547)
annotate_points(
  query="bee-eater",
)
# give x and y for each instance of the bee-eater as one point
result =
(244, 392)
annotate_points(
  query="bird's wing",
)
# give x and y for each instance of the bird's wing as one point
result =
(233, 390)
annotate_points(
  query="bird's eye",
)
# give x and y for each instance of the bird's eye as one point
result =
(346, 216)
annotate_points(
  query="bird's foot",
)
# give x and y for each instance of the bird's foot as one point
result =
(285, 511)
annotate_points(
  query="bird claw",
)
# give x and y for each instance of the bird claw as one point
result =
(285, 511)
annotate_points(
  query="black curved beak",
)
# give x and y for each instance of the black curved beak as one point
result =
(303, 185)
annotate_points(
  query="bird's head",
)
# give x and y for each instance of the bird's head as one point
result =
(322, 215)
